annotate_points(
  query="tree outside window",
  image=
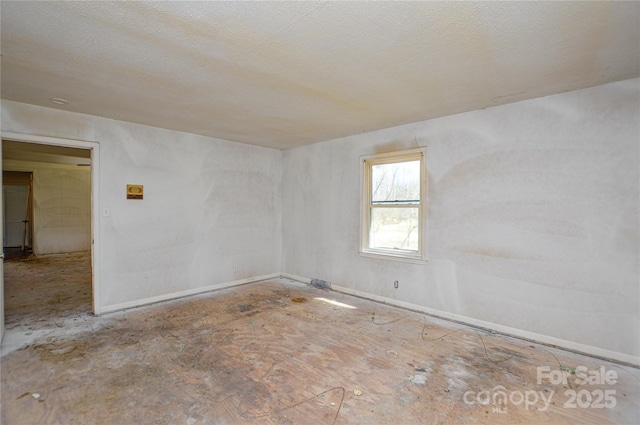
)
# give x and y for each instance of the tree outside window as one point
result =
(394, 204)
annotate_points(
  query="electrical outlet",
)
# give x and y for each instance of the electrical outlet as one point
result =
(395, 284)
(235, 268)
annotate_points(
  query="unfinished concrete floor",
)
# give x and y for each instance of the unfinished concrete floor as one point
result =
(281, 352)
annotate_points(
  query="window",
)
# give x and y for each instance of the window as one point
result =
(394, 205)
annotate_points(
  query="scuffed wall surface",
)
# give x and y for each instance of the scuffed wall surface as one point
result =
(210, 213)
(533, 216)
(62, 213)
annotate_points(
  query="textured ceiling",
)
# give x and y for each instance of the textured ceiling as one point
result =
(283, 74)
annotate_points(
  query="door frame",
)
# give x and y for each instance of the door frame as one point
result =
(94, 147)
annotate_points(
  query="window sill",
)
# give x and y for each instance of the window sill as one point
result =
(405, 258)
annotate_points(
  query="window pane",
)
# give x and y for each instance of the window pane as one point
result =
(394, 228)
(398, 181)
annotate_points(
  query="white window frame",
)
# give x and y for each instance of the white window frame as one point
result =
(366, 206)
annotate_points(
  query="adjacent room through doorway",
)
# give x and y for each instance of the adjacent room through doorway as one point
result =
(17, 201)
(47, 236)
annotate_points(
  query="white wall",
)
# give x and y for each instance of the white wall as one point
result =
(533, 216)
(209, 204)
(62, 210)
(62, 206)
(533, 212)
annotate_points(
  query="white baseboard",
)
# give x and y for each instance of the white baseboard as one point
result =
(297, 278)
(519, 333)
(182, 294)
(532, 336)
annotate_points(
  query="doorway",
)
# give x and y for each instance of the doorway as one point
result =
(17, 200)
(38, 172)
